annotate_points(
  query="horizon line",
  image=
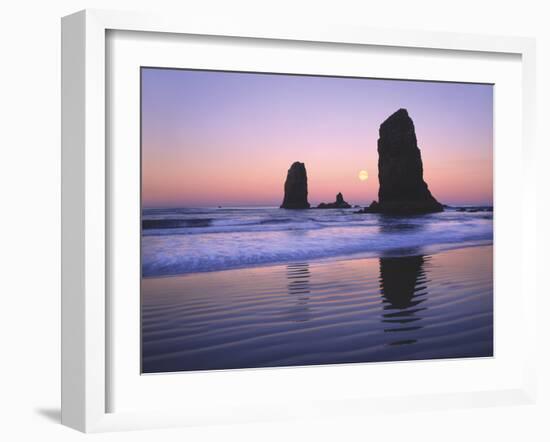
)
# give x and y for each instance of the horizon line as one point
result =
(277, 206)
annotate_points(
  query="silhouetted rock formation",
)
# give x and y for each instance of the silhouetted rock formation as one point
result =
(338, 204)
(296, 188)
(403, 190)
(475, 209)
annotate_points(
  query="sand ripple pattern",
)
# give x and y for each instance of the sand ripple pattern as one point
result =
(345, 311)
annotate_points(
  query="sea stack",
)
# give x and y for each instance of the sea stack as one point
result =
(402, 190)
(296, 188)
(338, 204)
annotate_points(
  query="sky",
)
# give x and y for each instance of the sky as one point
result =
(212, 138)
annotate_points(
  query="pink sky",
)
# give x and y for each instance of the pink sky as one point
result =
(216, 138)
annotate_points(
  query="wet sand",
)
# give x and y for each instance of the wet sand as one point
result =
(322, 312)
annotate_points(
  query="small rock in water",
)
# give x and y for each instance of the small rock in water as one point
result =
(475, 209)
(338, 204)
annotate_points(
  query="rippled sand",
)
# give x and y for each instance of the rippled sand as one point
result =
(324, 312)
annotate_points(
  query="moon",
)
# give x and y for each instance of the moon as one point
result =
(363, 175)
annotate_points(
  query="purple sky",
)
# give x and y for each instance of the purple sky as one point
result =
(222, 138)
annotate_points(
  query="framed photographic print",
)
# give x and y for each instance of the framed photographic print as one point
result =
(245, 266)
(263, 223)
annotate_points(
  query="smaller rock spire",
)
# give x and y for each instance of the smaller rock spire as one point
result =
(296, 187)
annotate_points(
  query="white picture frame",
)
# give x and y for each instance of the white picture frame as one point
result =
(86, 204)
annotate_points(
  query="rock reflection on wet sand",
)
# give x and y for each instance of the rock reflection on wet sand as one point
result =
(324, 312)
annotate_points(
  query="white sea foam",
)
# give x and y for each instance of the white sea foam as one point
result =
(177, 241)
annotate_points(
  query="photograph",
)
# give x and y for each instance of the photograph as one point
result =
(292, 220)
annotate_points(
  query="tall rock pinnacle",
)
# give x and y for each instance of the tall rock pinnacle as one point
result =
(296, 188)
(402, 189)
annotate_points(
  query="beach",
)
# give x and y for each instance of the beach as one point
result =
(318, 287)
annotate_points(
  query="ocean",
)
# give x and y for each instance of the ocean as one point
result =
(233, 288)
(180, 241)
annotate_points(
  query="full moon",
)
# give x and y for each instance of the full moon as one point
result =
(363, 175)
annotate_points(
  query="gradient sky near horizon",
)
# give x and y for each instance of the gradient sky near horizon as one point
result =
(225, 138)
